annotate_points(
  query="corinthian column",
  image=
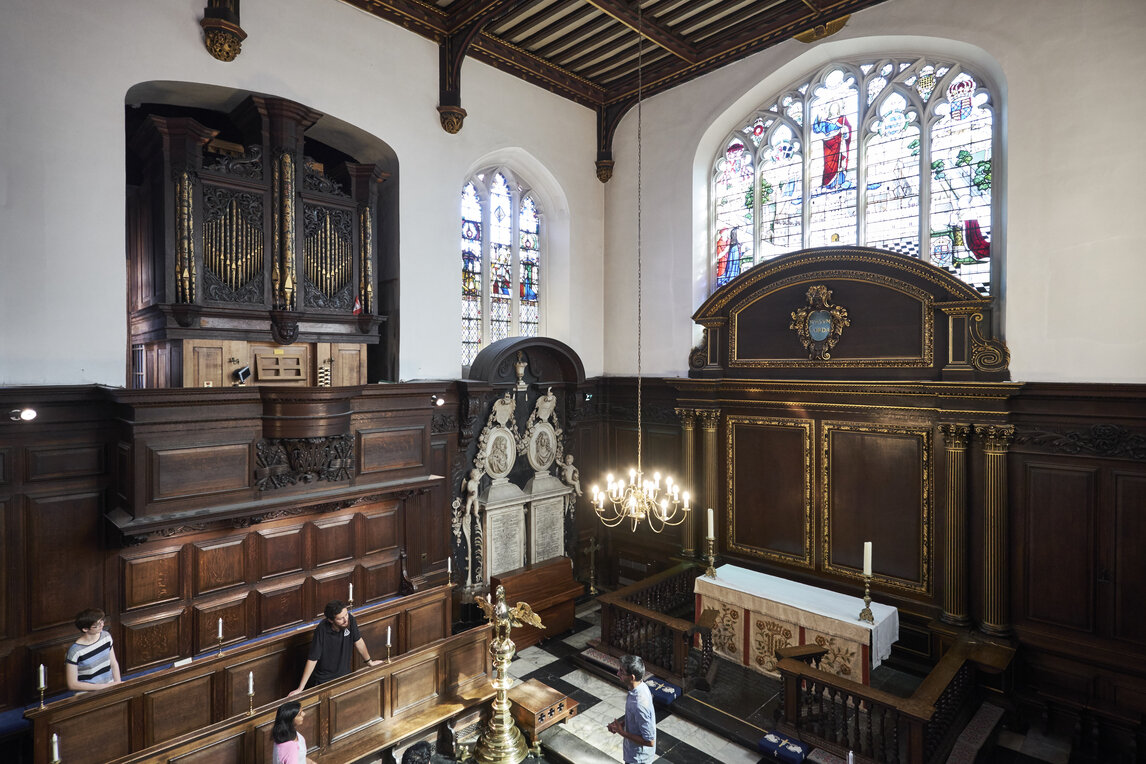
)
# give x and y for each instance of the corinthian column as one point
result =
(709, 421)
(688, 478)
(955, 557)
(996, 440)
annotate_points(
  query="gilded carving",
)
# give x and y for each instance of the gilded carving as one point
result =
(366, 283)
(987, 354)
(451, 118)
(819, 324)
(996, 438)
(820, 31)
(286, 160)
(604, 170)
(1105, 440)
(956, 435)
(709, 418)
(184, 238)
(698, 356)
(223, 44)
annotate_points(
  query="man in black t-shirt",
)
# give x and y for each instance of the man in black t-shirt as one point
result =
(330, 647)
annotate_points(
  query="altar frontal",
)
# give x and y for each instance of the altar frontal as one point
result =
(756, 614)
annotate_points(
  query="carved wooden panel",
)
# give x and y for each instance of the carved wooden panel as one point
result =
(205, 625)
(769, 489)
(332, 585)
(280, 551)
(374, 634)
(425, 623)
(5, 596)
(226, 751)
(152, 578)
(1060, 566)
(280, 606)
(415, 684)
(1129, 572)
(51, 654)
(121, 457)
(355, 708)
(64, 583)
(267, 672)
(466, 663)
(381, 580)
(62, 463)
(380, 528)
(95, 737)
(152, 639)
(177, 708)
(333, 540)
(392, 449)
(876, 486)
(5, 465)
(199, 470)
(219, 563)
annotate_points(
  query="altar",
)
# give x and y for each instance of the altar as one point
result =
(757, 613)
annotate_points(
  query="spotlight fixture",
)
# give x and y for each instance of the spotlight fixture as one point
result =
(241, 376)
(437, 400)
(22, 415)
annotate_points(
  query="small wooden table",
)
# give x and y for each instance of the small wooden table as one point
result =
(536, 707)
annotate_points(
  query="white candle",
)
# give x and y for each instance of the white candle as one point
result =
(867, 558)
(711, 525)
(250, 682)
(43, 685)
(851, 757)
(352, 592)
(488, 599)
(387, 636)
(55, 747)
(220, 629)
(449, 566)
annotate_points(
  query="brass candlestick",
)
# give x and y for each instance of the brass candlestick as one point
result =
(710, 556)
(220, 655)
(42, 688)
(865, 614)
(387, 653)
(593, 547)
(250, 702)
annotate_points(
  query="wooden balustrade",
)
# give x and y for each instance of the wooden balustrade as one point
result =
(634, 620)
(840, 715)
(154, 708)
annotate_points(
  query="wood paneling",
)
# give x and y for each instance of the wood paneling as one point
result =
(332, 585)
(333, 541)
(415, 684)
(226, 751)
(95, 737)
(63, 584)
(770, 502)
(62, 463)
(151, 579)
(381, 579)
(219, 564)
(149, 640)
(265, 671)
(181, 707)
(280, 551)
(392, 448)
(236, 625)
(426, 623)
(198, 471)
(380, 528)
(280, 606)
(5, 465)
(1060, 565)
(1128, 569)
(355, 708)
(466, 663)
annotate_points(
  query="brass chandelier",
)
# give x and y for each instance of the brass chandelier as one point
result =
(640, 498)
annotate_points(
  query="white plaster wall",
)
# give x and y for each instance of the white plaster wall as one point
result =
(1071, 234)
(65, 68)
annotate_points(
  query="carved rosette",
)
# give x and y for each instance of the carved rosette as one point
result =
(605, 170)
(451, 118)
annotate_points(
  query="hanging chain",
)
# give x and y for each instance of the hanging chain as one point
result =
(640, 293)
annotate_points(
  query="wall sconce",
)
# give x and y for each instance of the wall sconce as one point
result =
(437, 400)
(22, 415)
(221, 31)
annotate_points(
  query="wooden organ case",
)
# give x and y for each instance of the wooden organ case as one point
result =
(252, 250)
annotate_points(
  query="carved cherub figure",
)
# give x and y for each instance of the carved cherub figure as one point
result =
(471, 489)
(570, 475)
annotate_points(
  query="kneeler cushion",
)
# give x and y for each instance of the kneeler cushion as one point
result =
(780, 748)
(663, 692)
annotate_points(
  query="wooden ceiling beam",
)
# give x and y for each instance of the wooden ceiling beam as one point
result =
(649, 28)
(528, 22)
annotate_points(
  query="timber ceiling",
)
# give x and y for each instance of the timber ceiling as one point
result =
(588, 50)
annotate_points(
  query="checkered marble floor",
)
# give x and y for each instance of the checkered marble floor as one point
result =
(679, 741)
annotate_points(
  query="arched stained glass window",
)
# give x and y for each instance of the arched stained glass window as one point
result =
(894, 153)
(501, 237)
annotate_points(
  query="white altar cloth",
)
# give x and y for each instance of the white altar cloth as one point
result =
(760, 612)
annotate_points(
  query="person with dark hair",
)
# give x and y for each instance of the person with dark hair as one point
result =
(290, 745)
(418, 753)
(639, 724)
(90, 663)
(330, 647)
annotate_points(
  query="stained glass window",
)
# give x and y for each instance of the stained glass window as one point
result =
(501, 247)
(890, 152)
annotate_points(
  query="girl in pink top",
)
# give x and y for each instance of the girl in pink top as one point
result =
(290, 746)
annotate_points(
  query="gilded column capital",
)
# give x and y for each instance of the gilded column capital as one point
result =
(709, 418)
(996, 437)
(687, 417)
(956, 435)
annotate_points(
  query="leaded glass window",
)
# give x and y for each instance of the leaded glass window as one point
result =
(501, 247)
(894, 153)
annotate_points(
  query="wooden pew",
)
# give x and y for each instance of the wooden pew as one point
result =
(355, 716)
(149, 710)
(552, 592)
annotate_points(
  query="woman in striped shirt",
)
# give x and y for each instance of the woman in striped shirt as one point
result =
(90, 663)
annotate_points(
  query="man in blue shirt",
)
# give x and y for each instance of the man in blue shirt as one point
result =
(639, 724)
